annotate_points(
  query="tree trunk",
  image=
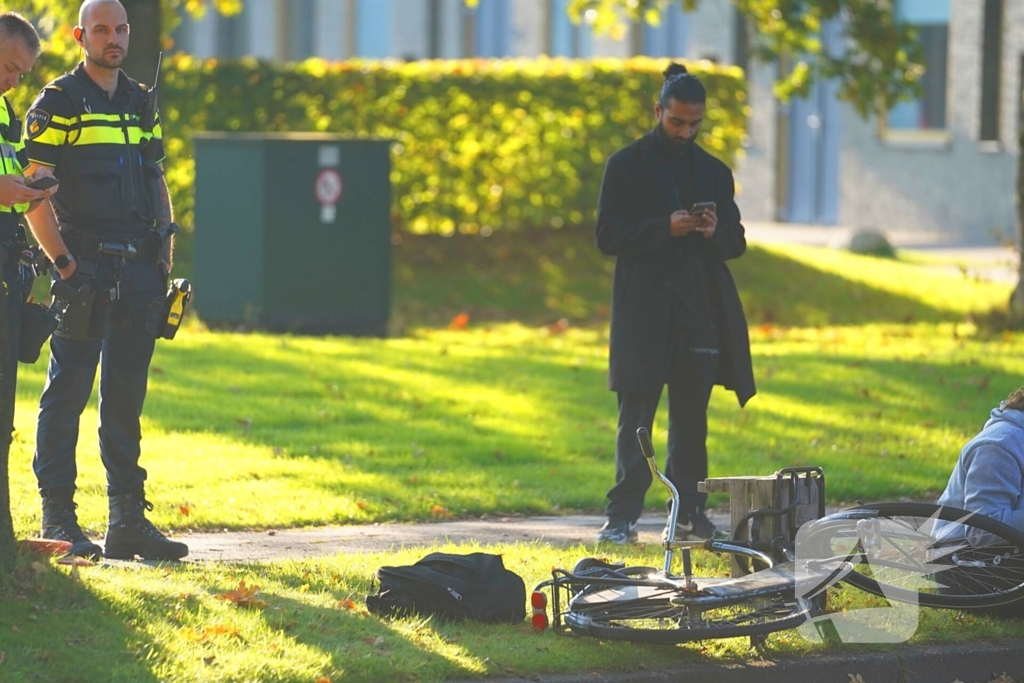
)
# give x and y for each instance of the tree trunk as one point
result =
(1017, 298)
(7, 547)
(145, 44)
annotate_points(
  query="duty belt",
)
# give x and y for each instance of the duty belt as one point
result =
(90, 245)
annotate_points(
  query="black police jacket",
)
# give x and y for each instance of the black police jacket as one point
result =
(106, 162)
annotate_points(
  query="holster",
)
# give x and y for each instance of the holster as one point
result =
(37, 324)
(164, 315)
(83, 312)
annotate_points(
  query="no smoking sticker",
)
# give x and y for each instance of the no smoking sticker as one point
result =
(328, 187)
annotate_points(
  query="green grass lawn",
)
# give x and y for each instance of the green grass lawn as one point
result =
(142, 624)
(870, 368)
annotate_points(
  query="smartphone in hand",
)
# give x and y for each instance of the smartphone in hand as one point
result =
(43, 183)
(700, 208)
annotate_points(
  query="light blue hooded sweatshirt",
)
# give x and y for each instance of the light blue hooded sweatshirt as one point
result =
(989, 476)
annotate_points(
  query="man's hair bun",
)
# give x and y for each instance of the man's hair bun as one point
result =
(674, 70)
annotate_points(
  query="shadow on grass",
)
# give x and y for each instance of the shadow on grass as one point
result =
(778, 290)
(537, 277)
(52, 628)
(362, 646)
(427, 424)
(893, 427)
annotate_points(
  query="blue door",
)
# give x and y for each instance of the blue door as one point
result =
(493, 28)
(814, 150)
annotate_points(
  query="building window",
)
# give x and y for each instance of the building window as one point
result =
(991, 71)
(931, 19)
(293, 30)
(741, 50)
(667, 39)
(468, 29)
(564, 38)
(434, 23)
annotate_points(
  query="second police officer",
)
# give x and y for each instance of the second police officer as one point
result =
(87, 129)
(19, 49)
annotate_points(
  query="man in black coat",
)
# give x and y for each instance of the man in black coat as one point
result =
(676, 314)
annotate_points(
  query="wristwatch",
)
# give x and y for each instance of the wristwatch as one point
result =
(63, 261)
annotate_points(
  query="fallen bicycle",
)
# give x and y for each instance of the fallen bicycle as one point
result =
(922, 554)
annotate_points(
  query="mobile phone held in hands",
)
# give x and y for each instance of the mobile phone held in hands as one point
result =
(700, 208)
(43, 183)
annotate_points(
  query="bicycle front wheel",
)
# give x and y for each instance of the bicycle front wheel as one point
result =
(932, 555)
(665, 616)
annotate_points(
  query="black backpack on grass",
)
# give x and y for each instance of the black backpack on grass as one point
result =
(475, 586)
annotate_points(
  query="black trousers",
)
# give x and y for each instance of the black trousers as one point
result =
(691, 378)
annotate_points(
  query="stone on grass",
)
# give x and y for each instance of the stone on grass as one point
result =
(868, 242)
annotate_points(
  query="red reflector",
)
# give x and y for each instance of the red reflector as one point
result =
(539, 621)
(538, 600)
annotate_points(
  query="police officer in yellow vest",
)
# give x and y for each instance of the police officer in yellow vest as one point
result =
(19, 48)
(101, 230)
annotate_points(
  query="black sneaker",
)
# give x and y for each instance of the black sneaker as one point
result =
(694, 527)
(703, 528)
(618, 531)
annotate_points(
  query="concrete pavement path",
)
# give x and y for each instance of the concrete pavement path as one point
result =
(257, 546)
(984, 260)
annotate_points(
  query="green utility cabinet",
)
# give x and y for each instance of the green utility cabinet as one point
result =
(293, 232)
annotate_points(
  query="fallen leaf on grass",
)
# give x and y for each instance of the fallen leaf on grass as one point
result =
(46, 546)
(323, 679)
(202, 635)
(559, 327)
(348, 604)
(439, 511)
(459, 322)
(185, 510)
(75, 561)
(208, 661)
(244, 596)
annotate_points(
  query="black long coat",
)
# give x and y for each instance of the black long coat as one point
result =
(638, 196)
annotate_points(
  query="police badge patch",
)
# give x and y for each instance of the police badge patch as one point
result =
(36, 122)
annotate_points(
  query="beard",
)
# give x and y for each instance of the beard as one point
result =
(675, 146)
(107, 60)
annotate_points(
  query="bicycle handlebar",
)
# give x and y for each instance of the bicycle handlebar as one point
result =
(644, 437)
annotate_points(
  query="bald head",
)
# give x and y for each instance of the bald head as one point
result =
(89, 5)
(103, 32)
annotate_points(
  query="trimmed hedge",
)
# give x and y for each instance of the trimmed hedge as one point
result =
(479, 144)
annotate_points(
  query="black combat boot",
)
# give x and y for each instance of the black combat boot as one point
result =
(129, 533)
(60, 523)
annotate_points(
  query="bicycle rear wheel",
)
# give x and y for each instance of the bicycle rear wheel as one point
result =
(932, 555)
(668, 616)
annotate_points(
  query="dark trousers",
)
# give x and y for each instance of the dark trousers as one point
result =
(15, 300)
(124, 354)
(691, 379)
